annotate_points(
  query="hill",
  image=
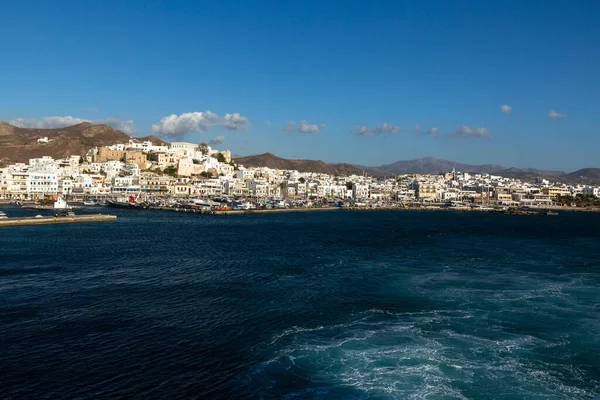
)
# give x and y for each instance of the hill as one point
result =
(431, 165)
(529, 174)
(272, 161)
(20, 144)
(585, 175)
(426, 165)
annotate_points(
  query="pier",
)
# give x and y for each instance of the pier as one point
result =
(23, 221)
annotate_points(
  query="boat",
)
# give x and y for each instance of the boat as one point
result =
(238, 206)
(3, 215)
(129, 203)
(90, 203)
(203, 203)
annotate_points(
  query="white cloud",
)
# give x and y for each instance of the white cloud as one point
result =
(176, 125)
(289, 126)
(234, 121)
(302, 127)
(47, 122)
(179, 125)
(268, 123)
(306, 127)
(554, 114)
(505, 108)
(217, 140)
(430, 131)
(126, 126)
(362, 130)
(387, 128)
(467, 132)
(211, 116)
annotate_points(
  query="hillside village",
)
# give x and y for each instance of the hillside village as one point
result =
(188, 170)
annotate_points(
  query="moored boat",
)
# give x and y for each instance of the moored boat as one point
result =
(125, 204)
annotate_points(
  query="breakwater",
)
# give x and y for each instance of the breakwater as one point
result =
(23, 221)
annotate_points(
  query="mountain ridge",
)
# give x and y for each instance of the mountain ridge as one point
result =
(270, 160)
(20, 144)
(426, 165)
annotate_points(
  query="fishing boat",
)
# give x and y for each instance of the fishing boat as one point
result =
(203, 203)
(129, 203)
(3, 215)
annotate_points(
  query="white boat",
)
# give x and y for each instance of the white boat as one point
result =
(243, 206)
(3, 215)
(247, 206)
(89, 203)
(203, 203)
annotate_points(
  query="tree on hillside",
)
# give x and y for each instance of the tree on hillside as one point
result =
(203, 147)
(349, 185)
(221, 158)
(171, 170)
(302, 180)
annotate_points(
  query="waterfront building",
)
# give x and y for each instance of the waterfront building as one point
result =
(42, 181)
(426, 191)
(591, 191)
(555, 191)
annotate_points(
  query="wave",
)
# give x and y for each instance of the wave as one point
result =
(405, 358)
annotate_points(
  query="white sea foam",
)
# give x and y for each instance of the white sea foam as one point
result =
(397, 358)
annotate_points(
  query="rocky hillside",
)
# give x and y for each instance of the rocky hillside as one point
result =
(586, 175)
(272, 161)
(420, 166)
(20, 144)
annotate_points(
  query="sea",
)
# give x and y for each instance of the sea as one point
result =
(315, 305)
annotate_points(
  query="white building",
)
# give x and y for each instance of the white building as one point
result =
(65, 186)
(591, 191)
(111, 168)
(41, 162)
(184, 148)
(41, 182)
(360, 191)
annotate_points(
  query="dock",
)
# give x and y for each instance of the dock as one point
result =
(24, 221)
(50, 208)
(275, 210)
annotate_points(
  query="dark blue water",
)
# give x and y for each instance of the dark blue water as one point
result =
(330, 305)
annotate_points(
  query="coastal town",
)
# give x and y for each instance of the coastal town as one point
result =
(141, 172)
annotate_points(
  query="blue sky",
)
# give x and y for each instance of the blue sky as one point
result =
(345, 68)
